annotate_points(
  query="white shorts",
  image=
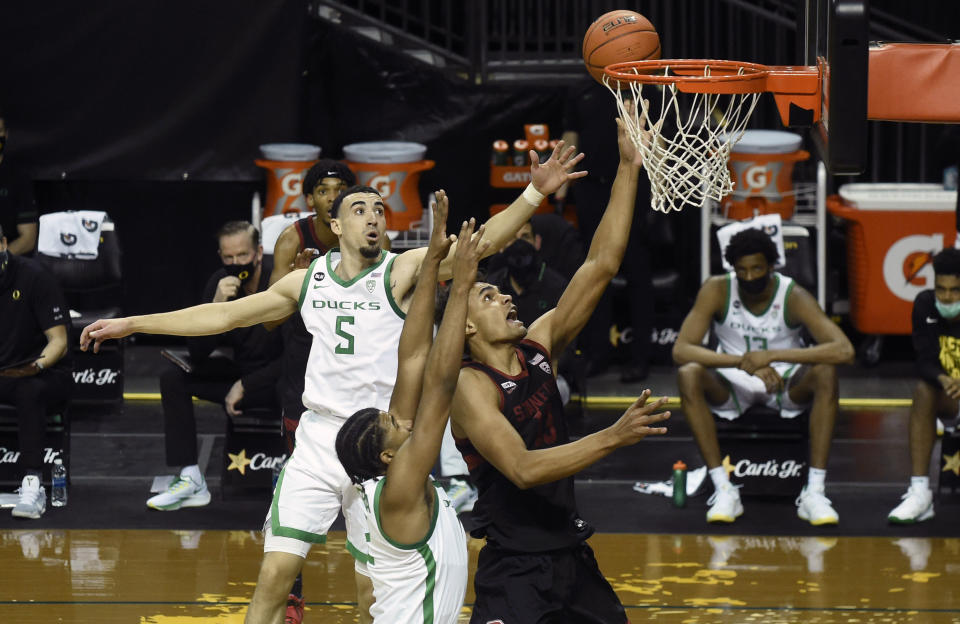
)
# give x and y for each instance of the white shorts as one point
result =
(311, 491)
(747, 390)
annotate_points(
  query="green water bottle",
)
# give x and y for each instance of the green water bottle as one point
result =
(679, 484)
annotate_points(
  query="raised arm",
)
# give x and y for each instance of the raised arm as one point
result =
(833, 346)
(545, 178)
(407, 473)
(558, 328)
(417, 334)
(276, 303)
(476, 415)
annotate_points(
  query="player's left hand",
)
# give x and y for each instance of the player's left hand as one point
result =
(470, 250)
(753, 360)
(547, 177)
(304, 258)
(629, 151)
(234, 396)
(770, 378)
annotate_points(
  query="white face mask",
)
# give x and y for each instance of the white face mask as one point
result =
(948, 310)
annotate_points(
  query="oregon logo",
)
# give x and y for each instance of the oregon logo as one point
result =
(68, 239)
(89, 225)
(16, 295)
(243, 275)
(908, 264)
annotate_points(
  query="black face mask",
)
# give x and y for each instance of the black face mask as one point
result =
(242, 271)
(522, 262)
(754, 286)
(3, 142)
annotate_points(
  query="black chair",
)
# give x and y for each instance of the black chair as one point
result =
(56, 443)
(768, 454)
(93, 290)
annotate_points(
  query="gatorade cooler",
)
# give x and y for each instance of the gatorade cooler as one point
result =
(285, 164)
(393, 168)
(893, 232)
(761, 167)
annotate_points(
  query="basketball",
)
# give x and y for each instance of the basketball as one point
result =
(616, 37)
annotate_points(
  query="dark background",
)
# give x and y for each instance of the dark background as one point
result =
(153, 111)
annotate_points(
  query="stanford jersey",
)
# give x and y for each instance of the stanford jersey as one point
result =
(543, 517)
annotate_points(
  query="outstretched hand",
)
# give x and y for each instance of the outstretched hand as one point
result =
(104, 329)
(470, 250)
(630, 151)
(548, 176)
(304, 258)
(635, 423)
(440, 243)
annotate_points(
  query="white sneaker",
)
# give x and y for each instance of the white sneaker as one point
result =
(725, 505)
(462, 495)
(814, 507)
(917, 506)
(183, 492)
(33, 499)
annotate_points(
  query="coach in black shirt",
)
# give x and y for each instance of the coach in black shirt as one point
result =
(247, 380)
(34, 375)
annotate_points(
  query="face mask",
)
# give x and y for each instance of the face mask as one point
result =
(242, 271)
(754, 286)
(3, 142)
(523, 262)
(948, 310)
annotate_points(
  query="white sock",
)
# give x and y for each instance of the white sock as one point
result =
(719, 477)
(920, 482)
(816, 478)
(193, 472)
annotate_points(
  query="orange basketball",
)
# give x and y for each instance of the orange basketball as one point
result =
(616, 37)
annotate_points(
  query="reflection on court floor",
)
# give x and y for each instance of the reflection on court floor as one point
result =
(177, 577)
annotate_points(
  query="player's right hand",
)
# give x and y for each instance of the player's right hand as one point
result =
(770, 378)
(304, 258)
(440, 243)
(470, 250)
(227, 289)
(104, 329)
(952, 388)
(635, 423)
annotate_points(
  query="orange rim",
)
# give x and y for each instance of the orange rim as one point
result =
(688, 75)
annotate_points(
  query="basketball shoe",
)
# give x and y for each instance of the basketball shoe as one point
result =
(183, 492)
(294, 610)
(917, 506)
(814, 507)
(463, 496)
(725, 505)
(33, 499)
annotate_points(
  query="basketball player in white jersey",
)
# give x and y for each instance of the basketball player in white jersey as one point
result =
(757, 315)
(417, 549)
(353, 301)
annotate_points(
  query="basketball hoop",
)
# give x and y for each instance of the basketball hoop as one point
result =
(689, 164)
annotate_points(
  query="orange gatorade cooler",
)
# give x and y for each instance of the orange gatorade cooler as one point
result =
(393, 168)
(285, 164)
(893, 232)
(761, 167)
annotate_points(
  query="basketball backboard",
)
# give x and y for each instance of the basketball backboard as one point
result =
(834, 35)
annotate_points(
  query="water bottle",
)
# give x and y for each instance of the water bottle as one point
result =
(679, 484)
(58, 494)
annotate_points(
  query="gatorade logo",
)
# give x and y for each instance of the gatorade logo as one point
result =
(908, 264)
(756, 177)
(291, 184)
(516, 176)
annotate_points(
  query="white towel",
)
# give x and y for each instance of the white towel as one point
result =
(71, 234)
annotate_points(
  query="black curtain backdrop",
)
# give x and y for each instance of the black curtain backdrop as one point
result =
(149, 90)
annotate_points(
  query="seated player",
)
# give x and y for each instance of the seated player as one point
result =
(758, 315)
(417, 547)
(936, 340)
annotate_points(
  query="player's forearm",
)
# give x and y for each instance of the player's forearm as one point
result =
(502, 227)
(687, 353)
(827, 353)
(416, 333)
(54, 350)
(609, 243)
(548, 465)
(202, 320)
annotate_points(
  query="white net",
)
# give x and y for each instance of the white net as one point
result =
(689, 141)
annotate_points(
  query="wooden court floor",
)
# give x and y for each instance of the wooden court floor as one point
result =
(178, 577)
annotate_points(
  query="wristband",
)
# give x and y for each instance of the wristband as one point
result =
(532, 195)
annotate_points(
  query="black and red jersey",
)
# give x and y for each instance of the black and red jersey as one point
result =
(540, 518)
